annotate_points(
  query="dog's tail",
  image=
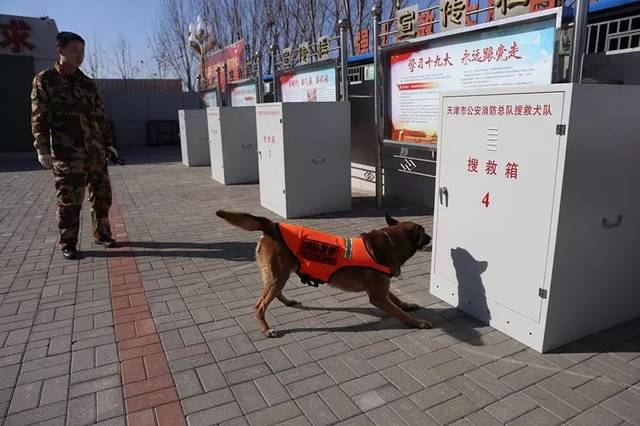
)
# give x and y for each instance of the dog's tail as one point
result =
(248, 222)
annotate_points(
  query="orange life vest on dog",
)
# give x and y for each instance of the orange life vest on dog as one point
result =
(321, 255)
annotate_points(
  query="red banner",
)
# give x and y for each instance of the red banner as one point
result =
(232, 55)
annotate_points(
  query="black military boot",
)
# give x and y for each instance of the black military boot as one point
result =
(70, 252)
(106, 241)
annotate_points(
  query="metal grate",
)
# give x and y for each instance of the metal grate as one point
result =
(615, 36)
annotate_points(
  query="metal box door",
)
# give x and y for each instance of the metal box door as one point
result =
(215, 144)
(497, 177)
(184, 144)
(271, 161)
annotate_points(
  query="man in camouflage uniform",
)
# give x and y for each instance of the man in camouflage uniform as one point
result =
(73, 138)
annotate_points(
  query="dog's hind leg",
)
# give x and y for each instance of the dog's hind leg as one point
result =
(401, 304)
(271, 291)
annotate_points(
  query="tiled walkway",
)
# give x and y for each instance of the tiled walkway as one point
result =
(162, 329)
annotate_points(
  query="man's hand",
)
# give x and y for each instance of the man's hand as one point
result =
(113, 151)
(45, 160)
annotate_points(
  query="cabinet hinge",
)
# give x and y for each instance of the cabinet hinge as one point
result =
(561, 129)
(542, 293)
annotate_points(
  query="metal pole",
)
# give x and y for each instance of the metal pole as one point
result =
(376, 11)
(259, 82)
(343, 24)
(272, 51)
(579, 39)
(226, 83)
(218, 87)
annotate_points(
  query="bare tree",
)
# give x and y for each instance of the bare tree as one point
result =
(170, 45)
(123, 61)
(159, 68)
(94, 64)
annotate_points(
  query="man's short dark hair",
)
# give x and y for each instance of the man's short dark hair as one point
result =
(65, 37)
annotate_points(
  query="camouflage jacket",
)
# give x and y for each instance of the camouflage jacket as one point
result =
(67, 114)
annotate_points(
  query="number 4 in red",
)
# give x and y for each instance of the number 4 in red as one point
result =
(485, 200)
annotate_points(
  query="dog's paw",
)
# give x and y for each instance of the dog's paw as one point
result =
(424, 324)
(411, 307)
(294, 304)
(272, 333)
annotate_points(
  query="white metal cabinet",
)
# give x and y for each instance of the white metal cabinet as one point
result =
(304, 154)
(498, 237)
(232, 136)
(193, 137)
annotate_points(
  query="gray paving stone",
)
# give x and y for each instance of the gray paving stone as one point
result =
(600, 389)
(489, 383)
(368, 400)
(483, 418)
(567, 395)
(110, 403)
(453, 409)
(361, 420)
(384, 416)
(55, 390)
(272, 390)
(363, 384)
(220, 414)
(38, 415)
(299, 373)
(316, 411)
(248, 373)
(82, 411)
(537, 417)
(249, 397)
(621, 407)
(596, 416)
(207, 400)
(95, 373)
(410, 413)
(472, 390)
(526, 377)
(274, 415)
(309, 385)
(550, 402)
(453, 368)
(188, 383)
(511, 407)
(43, 374)
(433, 396)
(341, 405)
(211, 377)
(296, 354)
(26, 397)
(403, 381)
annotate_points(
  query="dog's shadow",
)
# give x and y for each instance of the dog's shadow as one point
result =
(438, 317)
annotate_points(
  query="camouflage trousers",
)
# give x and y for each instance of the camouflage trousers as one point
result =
(71, 179)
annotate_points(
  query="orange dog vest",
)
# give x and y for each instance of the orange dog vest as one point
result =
(321, 255)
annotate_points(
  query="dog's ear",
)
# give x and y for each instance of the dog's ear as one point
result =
(378, 246)
(414, 233)
(390, 221)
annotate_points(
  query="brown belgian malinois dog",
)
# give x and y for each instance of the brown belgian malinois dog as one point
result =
(391, 247)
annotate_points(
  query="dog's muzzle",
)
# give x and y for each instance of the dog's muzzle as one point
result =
(423, 244)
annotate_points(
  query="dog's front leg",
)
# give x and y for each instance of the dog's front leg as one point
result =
(385, 304)
(405, 306)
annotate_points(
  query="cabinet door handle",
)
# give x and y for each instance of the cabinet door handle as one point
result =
(318, 162)
(245, 146)
(444, 191)
(607, 224)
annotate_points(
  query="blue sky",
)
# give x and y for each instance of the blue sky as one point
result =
(105, 19)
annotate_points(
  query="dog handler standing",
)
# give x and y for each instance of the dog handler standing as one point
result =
(72, 138)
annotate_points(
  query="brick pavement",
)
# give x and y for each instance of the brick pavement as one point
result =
(71, 333)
